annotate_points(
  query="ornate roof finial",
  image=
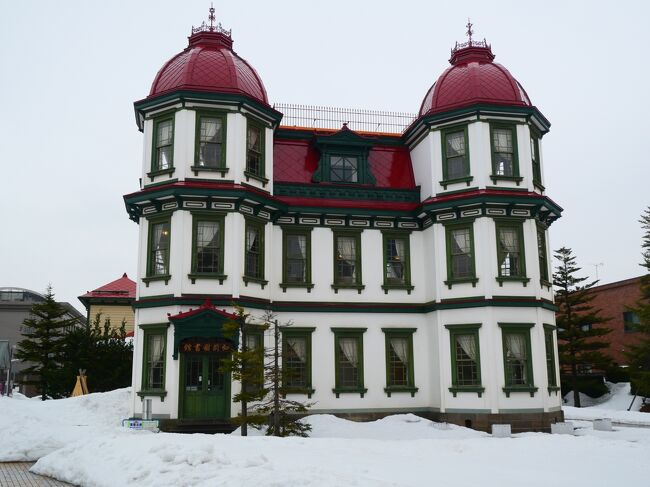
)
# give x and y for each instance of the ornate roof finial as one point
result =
(211, 16)
(469, 30)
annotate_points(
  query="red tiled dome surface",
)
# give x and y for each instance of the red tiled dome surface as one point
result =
(473, 78)
(209, 64)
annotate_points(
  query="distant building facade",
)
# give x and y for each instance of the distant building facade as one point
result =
(614, 301)
(113, 301)
(15, 306)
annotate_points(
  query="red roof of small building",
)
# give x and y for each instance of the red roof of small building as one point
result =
(119, 288)
(296, 160)
(473, 78)
(207, 306)
(209, 64)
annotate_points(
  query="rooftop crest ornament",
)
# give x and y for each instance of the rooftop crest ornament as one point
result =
(470, 42)
(211, 28)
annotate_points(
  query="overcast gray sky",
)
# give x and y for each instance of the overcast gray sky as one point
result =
(71, 70)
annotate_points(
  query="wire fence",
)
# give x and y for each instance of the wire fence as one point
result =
(317, 117)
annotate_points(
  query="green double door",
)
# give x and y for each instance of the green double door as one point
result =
(205, 392)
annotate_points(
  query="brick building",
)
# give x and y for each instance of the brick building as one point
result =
(614, 300)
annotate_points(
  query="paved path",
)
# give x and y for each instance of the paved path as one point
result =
(17, 474)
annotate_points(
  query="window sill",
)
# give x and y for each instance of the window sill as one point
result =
(523, 280)
(447, 182)
(305, 285)
(530, 389)
(554, 389)
(546, 284)
(164, 277)
(298, 390)
(261, 179)
(497, 177)
(197, 169)
(258, 280)
(476, 389)
(396, 287)
(159, 172)
(538, 185)
(450, 282)
(400, 389)
(358, 287)
(353, 390)
(153, 392)
(207, 275)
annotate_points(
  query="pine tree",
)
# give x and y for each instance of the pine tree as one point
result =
(246, 366)
(578, 342)
(43, 345)
(638, 355)
(282, 412)
(102, 351)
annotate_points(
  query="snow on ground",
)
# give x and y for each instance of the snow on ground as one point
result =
(613, 406)
(31, 428)
(401, 450)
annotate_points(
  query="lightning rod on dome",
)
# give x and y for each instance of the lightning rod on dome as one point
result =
(469, 30)
(470, 42)
(212, 27)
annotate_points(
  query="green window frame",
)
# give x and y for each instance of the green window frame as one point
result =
(344, 169)
(505, 156)
(400, 373)
(253, 339)
(397, 261)
(542, 255)
(297, 360)
(511, 257)
(154, 360)
(348, 361)
(255, 151)
(549, 346)
(535, 158)
(465, 358)
(207, 246)
(210, 142)
(296, 259)
(455, 156)
(254, 239)
(347, 260)
(517, 358)
(158, 249)
(162, 147)
(461, 267)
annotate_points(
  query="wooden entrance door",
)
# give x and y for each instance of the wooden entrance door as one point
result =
(205, 392)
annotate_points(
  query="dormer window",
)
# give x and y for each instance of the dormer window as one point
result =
(344, 169)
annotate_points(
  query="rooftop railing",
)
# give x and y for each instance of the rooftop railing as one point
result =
(317, 117)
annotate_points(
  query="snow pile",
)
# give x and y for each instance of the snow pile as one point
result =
(32, 428)
(613, 406)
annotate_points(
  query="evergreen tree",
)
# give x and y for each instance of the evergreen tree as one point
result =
(43, 346)
(102, 351)
(578, 342)
(246, 366)
(282, 412)
(638, 355)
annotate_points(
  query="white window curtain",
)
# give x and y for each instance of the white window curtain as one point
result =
(156, 348)
(456, 144)
(347, 251)
(164, 133)
(509, 240)
(252, 342)
(207, 233)
(299, 347)
(401, 348)
(461, 241)
(211, 130)
(253, 137)
(297, 247)
(349, 348)
(502, 140)
(251, 239)
(516, 346)
(468, 344)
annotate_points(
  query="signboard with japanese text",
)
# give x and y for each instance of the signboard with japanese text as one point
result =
(205, 345)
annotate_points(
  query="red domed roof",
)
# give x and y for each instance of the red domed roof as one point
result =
(473, 78)
(209, 64)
